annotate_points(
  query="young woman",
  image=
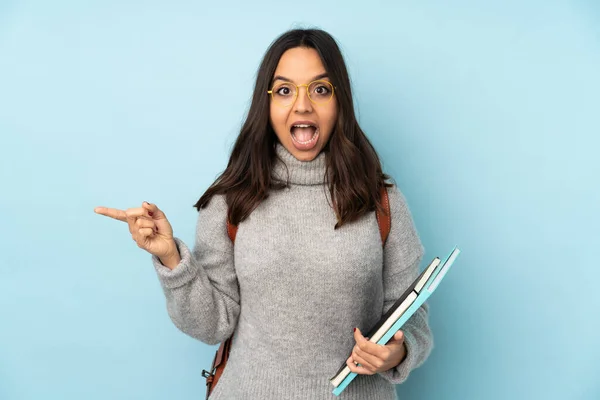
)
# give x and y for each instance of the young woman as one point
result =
(307, 265)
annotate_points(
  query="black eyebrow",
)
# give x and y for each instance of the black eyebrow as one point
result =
(316, 78)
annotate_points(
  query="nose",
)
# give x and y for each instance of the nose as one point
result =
(302, 103)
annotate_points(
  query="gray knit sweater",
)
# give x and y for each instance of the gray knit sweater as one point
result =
(292, 289)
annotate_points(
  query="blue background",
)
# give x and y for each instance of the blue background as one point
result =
(486, 113)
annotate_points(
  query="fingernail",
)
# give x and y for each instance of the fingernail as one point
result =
(150, 213)
(354, 329)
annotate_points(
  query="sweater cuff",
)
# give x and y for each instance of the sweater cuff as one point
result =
(400, 372)
(184, 272)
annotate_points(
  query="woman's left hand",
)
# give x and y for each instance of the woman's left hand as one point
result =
(373, 357)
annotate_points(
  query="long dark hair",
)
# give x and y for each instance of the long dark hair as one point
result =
(353, 168)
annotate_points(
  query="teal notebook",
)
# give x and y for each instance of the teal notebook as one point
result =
(429, 287)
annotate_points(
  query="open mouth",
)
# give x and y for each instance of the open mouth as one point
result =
(304, 134)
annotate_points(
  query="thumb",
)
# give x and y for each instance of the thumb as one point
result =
(358, 335)
(156, 213)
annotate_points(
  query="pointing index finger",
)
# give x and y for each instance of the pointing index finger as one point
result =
(112, 213)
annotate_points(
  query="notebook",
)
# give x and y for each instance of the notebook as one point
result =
(400, 312)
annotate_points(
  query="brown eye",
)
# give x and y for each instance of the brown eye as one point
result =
(322, 90)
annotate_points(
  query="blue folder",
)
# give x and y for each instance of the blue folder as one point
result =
(432, 283)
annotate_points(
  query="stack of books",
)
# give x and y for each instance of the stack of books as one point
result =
(400, 312)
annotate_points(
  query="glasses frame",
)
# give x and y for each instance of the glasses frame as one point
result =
(333, 87)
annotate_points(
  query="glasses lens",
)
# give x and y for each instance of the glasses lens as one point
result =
(284, 93)
(320, 91)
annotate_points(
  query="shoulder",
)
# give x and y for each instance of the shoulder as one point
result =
(212, 221)
(216, 205)
(399, 206)
(397, 199)
(403, 233)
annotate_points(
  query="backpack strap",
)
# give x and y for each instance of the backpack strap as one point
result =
(384, 220)
(231, 231)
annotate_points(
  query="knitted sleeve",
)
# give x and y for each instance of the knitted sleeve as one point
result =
(402, 255)
(202, 291)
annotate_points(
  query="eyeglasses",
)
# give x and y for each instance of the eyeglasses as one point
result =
(285, 93)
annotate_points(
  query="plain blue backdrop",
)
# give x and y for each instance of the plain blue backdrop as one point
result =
(486, 113)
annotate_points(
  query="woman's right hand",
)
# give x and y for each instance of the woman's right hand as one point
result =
(148, 226)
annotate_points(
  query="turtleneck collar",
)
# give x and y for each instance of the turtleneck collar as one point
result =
(298, 172)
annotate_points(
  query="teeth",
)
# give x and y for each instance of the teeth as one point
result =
(303, 126)
(308, 141)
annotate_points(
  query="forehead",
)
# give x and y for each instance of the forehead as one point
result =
(300, 64)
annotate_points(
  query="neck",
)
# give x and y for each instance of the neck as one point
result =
(288, 168)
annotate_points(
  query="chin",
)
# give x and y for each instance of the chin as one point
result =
(307, 155)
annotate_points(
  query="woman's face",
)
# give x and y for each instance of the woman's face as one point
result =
(302, 65)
